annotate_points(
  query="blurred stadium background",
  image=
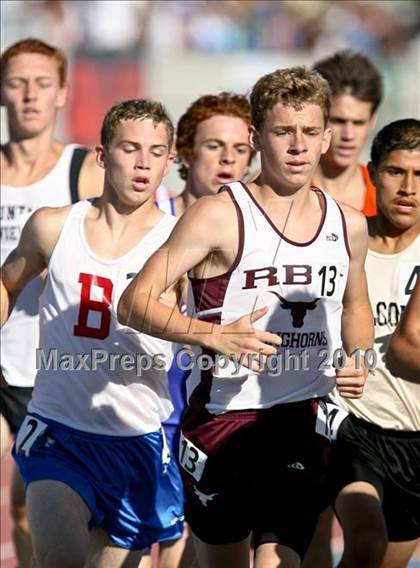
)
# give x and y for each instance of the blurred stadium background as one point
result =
(176, 50)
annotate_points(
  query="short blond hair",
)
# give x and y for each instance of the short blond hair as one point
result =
(135, 109)
(294, 87)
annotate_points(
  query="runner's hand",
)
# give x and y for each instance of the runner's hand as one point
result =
(241, 338)
(350, 380)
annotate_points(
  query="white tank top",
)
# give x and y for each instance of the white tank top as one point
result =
(303, 286)
(388, 401)
(19, 336)
(118, 395)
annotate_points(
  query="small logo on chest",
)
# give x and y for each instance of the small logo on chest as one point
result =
(332, 237)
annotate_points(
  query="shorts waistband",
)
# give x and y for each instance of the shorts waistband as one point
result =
(90, 435)
(386, 431)
(250, 413)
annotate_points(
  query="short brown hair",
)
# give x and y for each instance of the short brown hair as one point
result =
(32, 45)
(399, 135)
(135, 109)
(294, 87)
(352, 73)
(225, 104)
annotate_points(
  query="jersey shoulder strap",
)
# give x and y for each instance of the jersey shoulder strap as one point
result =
(79, 155)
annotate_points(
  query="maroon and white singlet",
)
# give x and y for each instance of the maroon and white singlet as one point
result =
(303, 286)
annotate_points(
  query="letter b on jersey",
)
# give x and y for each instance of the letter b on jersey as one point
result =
(82, 329)
(297, 274)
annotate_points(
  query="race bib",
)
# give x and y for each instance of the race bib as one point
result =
(329, 418)
(191, 458)
(30, 430)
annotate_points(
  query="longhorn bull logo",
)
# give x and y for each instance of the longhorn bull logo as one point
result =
(298, 310)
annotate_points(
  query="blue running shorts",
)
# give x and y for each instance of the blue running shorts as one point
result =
(130, 483)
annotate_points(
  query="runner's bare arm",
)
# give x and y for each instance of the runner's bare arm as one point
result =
(403, 356)
(201, 230)
(357, 319)
(30, 257)
(176, 295)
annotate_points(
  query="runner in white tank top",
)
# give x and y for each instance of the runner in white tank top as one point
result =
(20, 336)
(85, 293)
(303, 286)
(92, 436)
(267, 260)
(377, 455)
(36, 171)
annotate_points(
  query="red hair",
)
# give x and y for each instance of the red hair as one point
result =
(225, 104)
(32, 45)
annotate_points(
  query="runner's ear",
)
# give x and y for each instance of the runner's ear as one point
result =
(100, 155)
(254, 138)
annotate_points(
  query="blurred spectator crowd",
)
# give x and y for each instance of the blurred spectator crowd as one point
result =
(106, 27)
